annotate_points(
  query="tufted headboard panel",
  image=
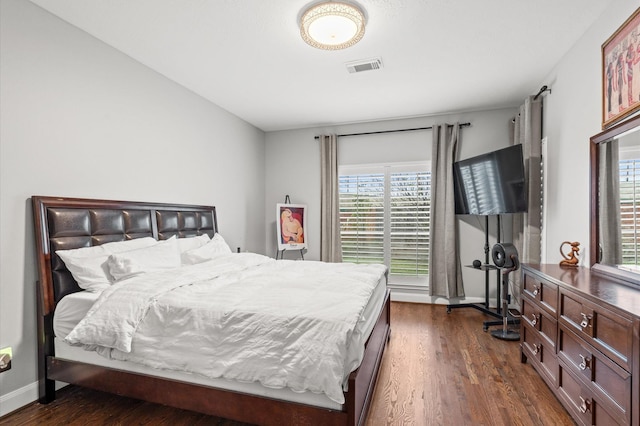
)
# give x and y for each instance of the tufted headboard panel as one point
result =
(67, 223)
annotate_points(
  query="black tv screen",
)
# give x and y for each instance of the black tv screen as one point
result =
(491, 183)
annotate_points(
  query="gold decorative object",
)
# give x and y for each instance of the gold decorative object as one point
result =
(571, 258)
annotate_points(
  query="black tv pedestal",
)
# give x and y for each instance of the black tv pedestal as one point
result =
(487, 268)
(484, 307)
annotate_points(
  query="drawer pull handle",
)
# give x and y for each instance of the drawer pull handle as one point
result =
(586, 319)
(586, 362)
(536, 349)
(585, 405)
(534, 320)
(536, 290)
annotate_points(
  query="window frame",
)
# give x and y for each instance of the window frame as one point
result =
(387, 169)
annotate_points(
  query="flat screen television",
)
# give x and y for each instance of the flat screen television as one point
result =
(491, 183)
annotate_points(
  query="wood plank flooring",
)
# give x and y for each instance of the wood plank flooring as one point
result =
(442, 369)
(438, 369)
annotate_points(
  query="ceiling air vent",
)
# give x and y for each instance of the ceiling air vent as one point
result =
(365, 65)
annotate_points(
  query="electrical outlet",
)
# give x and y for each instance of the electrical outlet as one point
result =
(5, 359)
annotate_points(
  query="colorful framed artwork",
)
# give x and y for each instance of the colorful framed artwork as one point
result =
(291, 222)
(621, 72)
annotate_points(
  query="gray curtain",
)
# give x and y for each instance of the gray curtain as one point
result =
(610, 237)
(330, 243)
(526, 236)
(445, 271)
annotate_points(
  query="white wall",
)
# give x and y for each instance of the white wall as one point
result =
(572, 114)
(80, 119)
(293, 168)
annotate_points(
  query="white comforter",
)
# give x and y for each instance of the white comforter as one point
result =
(243, 316)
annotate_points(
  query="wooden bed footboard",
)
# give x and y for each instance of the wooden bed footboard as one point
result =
(234, 405)
(362, 382)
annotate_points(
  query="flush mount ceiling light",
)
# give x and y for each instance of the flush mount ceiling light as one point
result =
(332, 25)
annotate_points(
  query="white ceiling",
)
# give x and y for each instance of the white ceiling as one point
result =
(439, 56)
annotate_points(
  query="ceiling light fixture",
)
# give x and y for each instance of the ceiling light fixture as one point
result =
(332, 25)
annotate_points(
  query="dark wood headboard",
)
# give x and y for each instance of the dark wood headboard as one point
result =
(67, 223)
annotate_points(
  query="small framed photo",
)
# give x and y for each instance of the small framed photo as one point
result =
(621, 72)
(291, 222)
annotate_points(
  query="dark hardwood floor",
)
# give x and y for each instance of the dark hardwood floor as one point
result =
(442, 369)
(439, 369)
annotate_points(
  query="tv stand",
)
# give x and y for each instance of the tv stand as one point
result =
(487, 268)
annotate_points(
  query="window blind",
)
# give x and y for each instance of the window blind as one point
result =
(362, 218)
(384, 218)
(409, 227)
(629, 205)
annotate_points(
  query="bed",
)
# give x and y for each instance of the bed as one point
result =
(71, 223)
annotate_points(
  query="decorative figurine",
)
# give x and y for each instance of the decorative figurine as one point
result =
(570, 259)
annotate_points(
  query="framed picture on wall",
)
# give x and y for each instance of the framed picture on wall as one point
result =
(291, 221)
(621, 72)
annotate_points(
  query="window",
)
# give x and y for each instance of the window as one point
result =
(384, 218)
(629, 210)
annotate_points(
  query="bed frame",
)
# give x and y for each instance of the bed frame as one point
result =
(66, 223)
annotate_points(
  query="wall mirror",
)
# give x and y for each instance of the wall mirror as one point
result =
(615, 201)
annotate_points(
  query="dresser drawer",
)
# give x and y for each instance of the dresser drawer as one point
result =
(540, 320)
(541, 353)
(596, 363)
(543, 292)
(604, 377)
(585, 407)
(602, 328)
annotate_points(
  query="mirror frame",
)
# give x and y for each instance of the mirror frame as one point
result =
(594, 241)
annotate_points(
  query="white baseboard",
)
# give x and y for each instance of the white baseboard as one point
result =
(413, 296)
(20, 397)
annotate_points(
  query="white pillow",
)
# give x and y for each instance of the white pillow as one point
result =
(215, 247)
(190, 243)
(88, 265)
(164, 255)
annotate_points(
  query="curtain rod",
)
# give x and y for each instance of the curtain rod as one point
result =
(541, 91)
(393, 131)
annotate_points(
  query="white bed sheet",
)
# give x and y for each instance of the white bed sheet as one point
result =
(72, 308)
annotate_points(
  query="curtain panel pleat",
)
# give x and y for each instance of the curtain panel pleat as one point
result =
(330, 243)
(445, 274)
(610, 250)
(526, 231)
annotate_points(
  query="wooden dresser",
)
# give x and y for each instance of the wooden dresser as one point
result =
(580, 331)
